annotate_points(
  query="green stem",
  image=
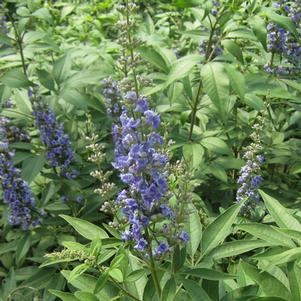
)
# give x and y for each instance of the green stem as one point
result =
(208, 56)
(152, 265)
(19, 41)
(194, 111)
(130, 41)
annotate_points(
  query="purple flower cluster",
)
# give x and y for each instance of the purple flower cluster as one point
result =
(142, 165)
(215, 48)
(7, 104)
(281, 70)
(58, 146)
(16, 192)
(282, 41)
(216, 6)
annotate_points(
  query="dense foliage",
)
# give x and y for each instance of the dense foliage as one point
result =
(150, 150)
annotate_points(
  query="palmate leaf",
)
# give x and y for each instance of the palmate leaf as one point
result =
(209, 274)
(63, 296)
(216, 84)
(133, 283)
(87, 283)
(284, 257)
(236, 247)
(15, 78)
(85, 296)
(267, 233)
(294, 276)
(194, 229)
(85, 228)
(270, 286)
(182, 67)
(219, 229)
(279, 213)
(195, 290)
(155, 57)
(169, 290)
(193, 154)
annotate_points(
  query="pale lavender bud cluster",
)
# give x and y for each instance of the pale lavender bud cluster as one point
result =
(250, 177)
(141, 161)
(112, 96)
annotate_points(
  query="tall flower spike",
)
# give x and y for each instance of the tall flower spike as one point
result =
(16, 192)
(250, 177)
(58, 146)
(142, 163)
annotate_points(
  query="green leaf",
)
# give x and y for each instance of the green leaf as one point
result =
(32, 166)
(269, 285)
(84, 78)
(15, 78)
(193, 154)
(62, 69)
(87, 283)
(267, 233)
(8, 247)
(195, 291)
(194, 229)
(85, 296)
(116, 274)
(46, 79)
(254, 102)
(43, 14)
(169, 290)
(23, 247)
(135, 275)
(153, 56)
(285, 22)
(279, 213)
(259, 28)
(74, 97)
(209, 274)
(178, 258)
(77, 271)
(216, 145)
(293, 234)
(85, 228)
(135, 287)
(234, 248)
(219, 229)
(101, 282)
(22, 102)
(294, 276)
(216, 85)
(182, 67)
(62, 295)
(149, 293)
(284, 257)
(237, 81)
(187, 3)
(234, 49)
